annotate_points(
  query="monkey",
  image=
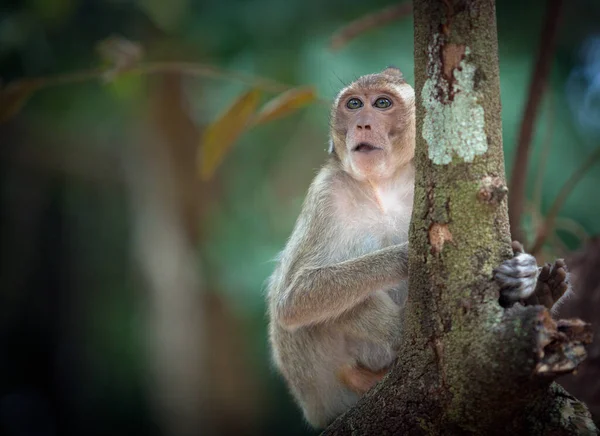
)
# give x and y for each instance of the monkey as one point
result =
(336, 297)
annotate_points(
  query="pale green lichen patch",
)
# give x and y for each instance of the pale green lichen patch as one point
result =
(454, 119)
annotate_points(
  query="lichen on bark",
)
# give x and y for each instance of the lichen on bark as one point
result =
(454, 118)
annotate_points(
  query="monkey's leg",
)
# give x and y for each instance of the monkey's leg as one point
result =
(360, 379)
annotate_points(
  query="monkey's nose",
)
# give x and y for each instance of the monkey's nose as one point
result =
(363, 126)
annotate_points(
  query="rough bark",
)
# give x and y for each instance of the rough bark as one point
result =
(466, 365)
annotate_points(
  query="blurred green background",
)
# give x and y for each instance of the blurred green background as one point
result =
(132, 292)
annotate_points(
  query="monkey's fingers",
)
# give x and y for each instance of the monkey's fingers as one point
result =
(558, 265)
(517, 247)
(560, 280)
(553, 282)
(559, 291)
(544, 295)
(545, 273)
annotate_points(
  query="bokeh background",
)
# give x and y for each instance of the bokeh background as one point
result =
(131, 290)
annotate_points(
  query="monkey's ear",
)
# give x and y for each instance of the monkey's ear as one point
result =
(330, 149)
(393, 71)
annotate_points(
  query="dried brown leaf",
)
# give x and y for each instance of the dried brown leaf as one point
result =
(286, 103)
(224, 131)
(14, 96)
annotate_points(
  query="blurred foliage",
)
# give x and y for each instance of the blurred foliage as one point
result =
(73, 305)
(220, 135)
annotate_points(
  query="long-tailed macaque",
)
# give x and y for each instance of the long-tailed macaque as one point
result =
(337, 294)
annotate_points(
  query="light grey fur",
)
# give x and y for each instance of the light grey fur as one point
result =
(518, 276)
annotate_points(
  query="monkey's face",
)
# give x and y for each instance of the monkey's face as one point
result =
(372, 126)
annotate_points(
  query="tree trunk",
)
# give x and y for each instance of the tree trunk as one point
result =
(466, 365)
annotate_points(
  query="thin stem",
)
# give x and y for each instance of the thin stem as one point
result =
(572, 227)
(18, 91)
(562, 196)
(185, 68)
(537, 86)
(368, 22)
(545, 152)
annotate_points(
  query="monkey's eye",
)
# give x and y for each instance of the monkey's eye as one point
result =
(354, 103)
(383, 103)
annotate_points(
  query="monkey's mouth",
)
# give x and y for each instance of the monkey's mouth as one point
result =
(365, 147)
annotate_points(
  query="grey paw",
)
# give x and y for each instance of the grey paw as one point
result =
(517, 277)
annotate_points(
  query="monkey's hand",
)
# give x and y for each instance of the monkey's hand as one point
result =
(521, 280)
(517, 277)
(553, 283)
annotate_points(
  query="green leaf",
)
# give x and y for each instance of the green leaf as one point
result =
(224, 131)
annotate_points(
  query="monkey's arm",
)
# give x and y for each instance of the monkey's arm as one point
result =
(318, 294)
(377, 320)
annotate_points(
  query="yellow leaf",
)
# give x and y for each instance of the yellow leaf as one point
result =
(14, 96)
(286, 103)
(222, 133)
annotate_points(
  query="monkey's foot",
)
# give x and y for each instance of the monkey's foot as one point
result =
(517, 277)
(553, 282)
(360, 379)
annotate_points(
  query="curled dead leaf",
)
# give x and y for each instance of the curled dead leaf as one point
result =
(560, 344)
(286, 103)
(224, 131)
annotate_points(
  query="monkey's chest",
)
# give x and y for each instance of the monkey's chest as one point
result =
(375, 219)
(373, 231)
(384, 226)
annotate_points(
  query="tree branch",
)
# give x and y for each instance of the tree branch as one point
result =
(369, 22)
(537, 87)
(508, 394)
(560, 199)
(15, 94)
(465, 365)
(185, 68)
